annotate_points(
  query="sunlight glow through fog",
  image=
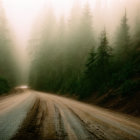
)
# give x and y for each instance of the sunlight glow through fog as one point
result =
(22, 13)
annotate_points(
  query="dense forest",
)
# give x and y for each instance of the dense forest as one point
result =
(68, 56)
(8, 66)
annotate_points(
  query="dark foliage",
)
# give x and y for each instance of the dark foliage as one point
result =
(8, 65)
(78, 66)
(4, 86)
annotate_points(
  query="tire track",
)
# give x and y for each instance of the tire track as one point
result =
(60, 130)
(74, 122)
(57, 118)
(30, 128)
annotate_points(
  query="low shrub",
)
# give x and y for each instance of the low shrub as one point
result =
(4, 86)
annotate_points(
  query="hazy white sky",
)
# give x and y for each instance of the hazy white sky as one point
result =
(22, 13)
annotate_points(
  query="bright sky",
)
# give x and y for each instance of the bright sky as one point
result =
(22, 13)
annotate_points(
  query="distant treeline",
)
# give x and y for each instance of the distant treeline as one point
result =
(68, 58)
(8, 65)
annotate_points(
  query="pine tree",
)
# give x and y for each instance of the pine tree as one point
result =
(98, 65)
(90, 65)
(103, 57)
(8, 66)
(79, 42)
(89, 80)
(122, 42)
(42, 64)
(136, 37)
(87, 34)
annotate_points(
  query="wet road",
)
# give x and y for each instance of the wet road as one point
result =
(41, 116)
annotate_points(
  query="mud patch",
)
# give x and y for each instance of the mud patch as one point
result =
(30, 128)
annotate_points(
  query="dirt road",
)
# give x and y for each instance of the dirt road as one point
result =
(51, 117)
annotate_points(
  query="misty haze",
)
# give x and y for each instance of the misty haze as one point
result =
(69, 69)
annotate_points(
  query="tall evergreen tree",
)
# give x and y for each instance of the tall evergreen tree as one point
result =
(98, 65)
(122, 43)
(136, 37)
(79, 41)
(88, 84)
(8, 65)
(42, 63)
(103, 57)
(87, 34)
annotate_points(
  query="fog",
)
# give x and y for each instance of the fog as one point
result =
(85, 50)
(22, 13)
(26, 18)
